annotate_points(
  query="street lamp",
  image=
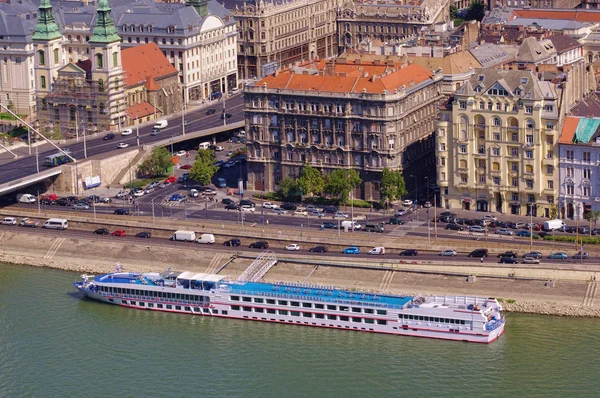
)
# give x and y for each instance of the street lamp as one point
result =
(530, 206)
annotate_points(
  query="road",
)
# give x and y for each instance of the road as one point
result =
(26, 165)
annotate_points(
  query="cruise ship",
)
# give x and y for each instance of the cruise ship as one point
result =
(459, 318)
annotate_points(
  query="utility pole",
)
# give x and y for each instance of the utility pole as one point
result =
(435, 215)
(152, 210)
(37, 160)
(183, 118)
(76, 127)
(84, 144)
(137, 129)
(224, 112)
(530, 226)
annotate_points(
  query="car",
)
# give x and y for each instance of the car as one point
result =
(227, 201)
(477, 229)
(454, 227)
(211, 111)
(232, 206)
(186, 166)
(301, 212)
(176, 198)
(180, 154)
(105, 199)
(101, 231)
(569, 229)
(81, 206)
(519, 225)
(26, 222)
(508, 260)
(186, 123)
(409, 252)
(219, 148)
(531, 260)
(8, 221)
(292, 247)
(340, 214)
(225, 116)
(232, 242)
(524, 234)
(171, 179)
(108, 136)
(277, 210)
(533, 254)
(247, 202)
(155, 132)
(289, 206)
(377, 251)
(329, 225)
(351, 250)
(139, 192)
(247, 208)
(259, 245)
(62, 202)
(395, 221)
(122, 145)
(319, 249)
(490, 217)
(330, 209)
(144, 234)
(311, 208)
(208, 191)
(479, 253)
(317, 213)
(121, 212)
(581, 256)
(269, 205)
(229, 153)
(504, 231)
(119, 232)
(408, 202)
(229, 164)
(448, 252)
(121, 194)
(402, 212)
(127, 132)
(427, 205)
(508, 254)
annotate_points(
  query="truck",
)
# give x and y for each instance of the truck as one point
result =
(206, 238)
(185, 236)
(25, 198)
(161, 124)
(351, 225)
(553, 225)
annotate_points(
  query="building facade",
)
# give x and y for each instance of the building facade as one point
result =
(496, 145)
(341, 114)
(276, 34)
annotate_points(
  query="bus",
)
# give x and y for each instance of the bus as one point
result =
(58, 158)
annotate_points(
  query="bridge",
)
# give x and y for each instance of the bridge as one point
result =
(15, 185)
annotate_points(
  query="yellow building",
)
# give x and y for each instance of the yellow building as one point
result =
(496, 144)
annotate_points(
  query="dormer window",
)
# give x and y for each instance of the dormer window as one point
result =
(523, 80)
(170, 29)
(124, 27)
(481, 78)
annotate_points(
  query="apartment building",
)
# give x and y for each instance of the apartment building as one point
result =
(496, 144)
(363, 115)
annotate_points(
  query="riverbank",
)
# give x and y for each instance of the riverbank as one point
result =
(100, 254)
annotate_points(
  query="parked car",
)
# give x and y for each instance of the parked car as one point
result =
(312, 208)
(569, 229)
(81, 206)
(232, 242)
(408, 202)
(531, 260)
(317, 213)
(176, 197)
(292, 247)
(232, 206)
(396, 221)
(504, 231)
(277, 210)
(269, 205)
(122, 212)
(122, 145)
(144, 234)
(558, 256)
(101, 231)
(227, 201)
(26, 222)
(119, 232)
(329, 225)
(340, 215)
(524, 234)
(533, 254)
(508, 260)
(301, 212)
(409, 252)
(351, 250)
(288, 206)
(453, 227)
(319, 249)
(508, 254)
(479, 253)
(181, 153)
(211, 111)
(170, 179)
(519, 225)
(448, 252)
(490, 217)
(580, 256)
(9, 221)
(477, 229)
(427, 205)
(259, 245)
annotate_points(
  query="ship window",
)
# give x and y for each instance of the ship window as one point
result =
(247, 299)
(359, 320)
(282, 302)
(151, 305)
(356, 309)
(124, 301)
(159, 305)
(178, 307)
(381, 322)
(462, 322)
(234, 298)
(368, 310)
(215, 311)
(248, 309)
(224, 312)
(342, 308)
(369, 320)
(332, 317)
(235, 308)
(307, 305)
(381, 312)
(111, 300)
(169, 307)
(410, 317)
(196, 309)
(294, 313)
(271, 311)
(307, 314)
(344, 318)
(205, 310)
(270, 301)
(319, 306)
(188, 308)
(259, 300)
(142, 304)
(436, 319)
(319, 316)
(331, 307)
(283, 312)
(132, 302)
(452, 321)
(294, 303)
(259, 310)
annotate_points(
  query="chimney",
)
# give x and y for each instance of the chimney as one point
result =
(357, 61)
(330, 68)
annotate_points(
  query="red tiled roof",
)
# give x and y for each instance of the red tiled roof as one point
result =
(568, 130)
(144, 61)
(142, 109)
(579, 16)
(151, 84)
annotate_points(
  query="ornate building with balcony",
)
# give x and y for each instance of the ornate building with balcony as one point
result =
(339, 114)
(497, 144)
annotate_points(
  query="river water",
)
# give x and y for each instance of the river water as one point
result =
(54, 343)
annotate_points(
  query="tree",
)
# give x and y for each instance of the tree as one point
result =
(453, 11)
(476, 11)
(392, 186)
(158, 163)
(311, 181)
(289, 189)
(592, 216)
(340, 182)
(204, 167)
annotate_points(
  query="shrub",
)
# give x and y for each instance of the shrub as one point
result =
(500, 299)
(511, 301)
(360, 203)
(268, 196)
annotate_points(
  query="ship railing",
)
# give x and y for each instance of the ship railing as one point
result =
(150, 298)
(466, 300)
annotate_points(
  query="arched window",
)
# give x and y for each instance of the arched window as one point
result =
(463, 135)
(100, 85)
(99, 61)
(43, 81)
(115, 59)
(56, 56)
(41, 57)
(496, 121)
(528, 169)
(530, 124)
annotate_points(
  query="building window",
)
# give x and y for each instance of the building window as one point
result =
(514, 167)
(570, 155)
(586, 191)
(515, 182)
(587, 173)
(587, 157)
(115, 59)
(56, 56)
(463, 178)
(496, 180)
(43, 81)
(462, 149)
(570, 172)
(482, 179)
(496, 121)
(529, 109)
(531, 198)
(462, 104)
(99, 61)
(550, 184)
(41, 57)
(529, 184)
(529, 139)
(529, 154)
(515, 197)
(549, 169)
(495, 151)
(496, 136)
(442, 146)
(570, 189)
(550, 199)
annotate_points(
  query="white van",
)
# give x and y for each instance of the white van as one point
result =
(56, 223)
(161, 124)
(377, 251)
(206, 238)
(242, 133)
(9, 221)
(351, 225)
(25, 198)
(204, 145)
(554, 225)
(185, 236)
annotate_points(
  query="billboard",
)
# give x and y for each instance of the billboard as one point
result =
(269, 68)
(92, 182)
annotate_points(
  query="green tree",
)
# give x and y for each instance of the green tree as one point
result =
(158, 163)
(476, 11)
(204, 167)
(340, 182)
(592, 216)
(311, 181)
(289, 189)
(453, 11)
(392, 186)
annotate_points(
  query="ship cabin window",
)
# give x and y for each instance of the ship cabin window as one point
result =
(188, 308)
(225, 312)
(169, 307)
(368, 320)
(206, 310)
(159, 305)
(320, 316)
(111, 300)
(294, 303)
(270, 301)
(358, 320)
(196, 309)
(381, 312)
(368, 310)
(307, 314)
(294, 313)
(247, 309)
(307, 305)
(178, 307)
(342, 308)
(142, 304)
(259, 300)
(261, 310)
(344, 318)
(150, 305)
(283, 312)
(381, 322)
(123, 301)
(215, 311)
(234, 298)
(271, 311)
(332, 317)
(331, 307)
(235, 308)
(247, 299)
(282, 302)
(319, 306)
(356, 309)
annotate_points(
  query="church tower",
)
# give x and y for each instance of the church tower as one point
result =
(49, 58)
(107, 70)
(201, 6)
